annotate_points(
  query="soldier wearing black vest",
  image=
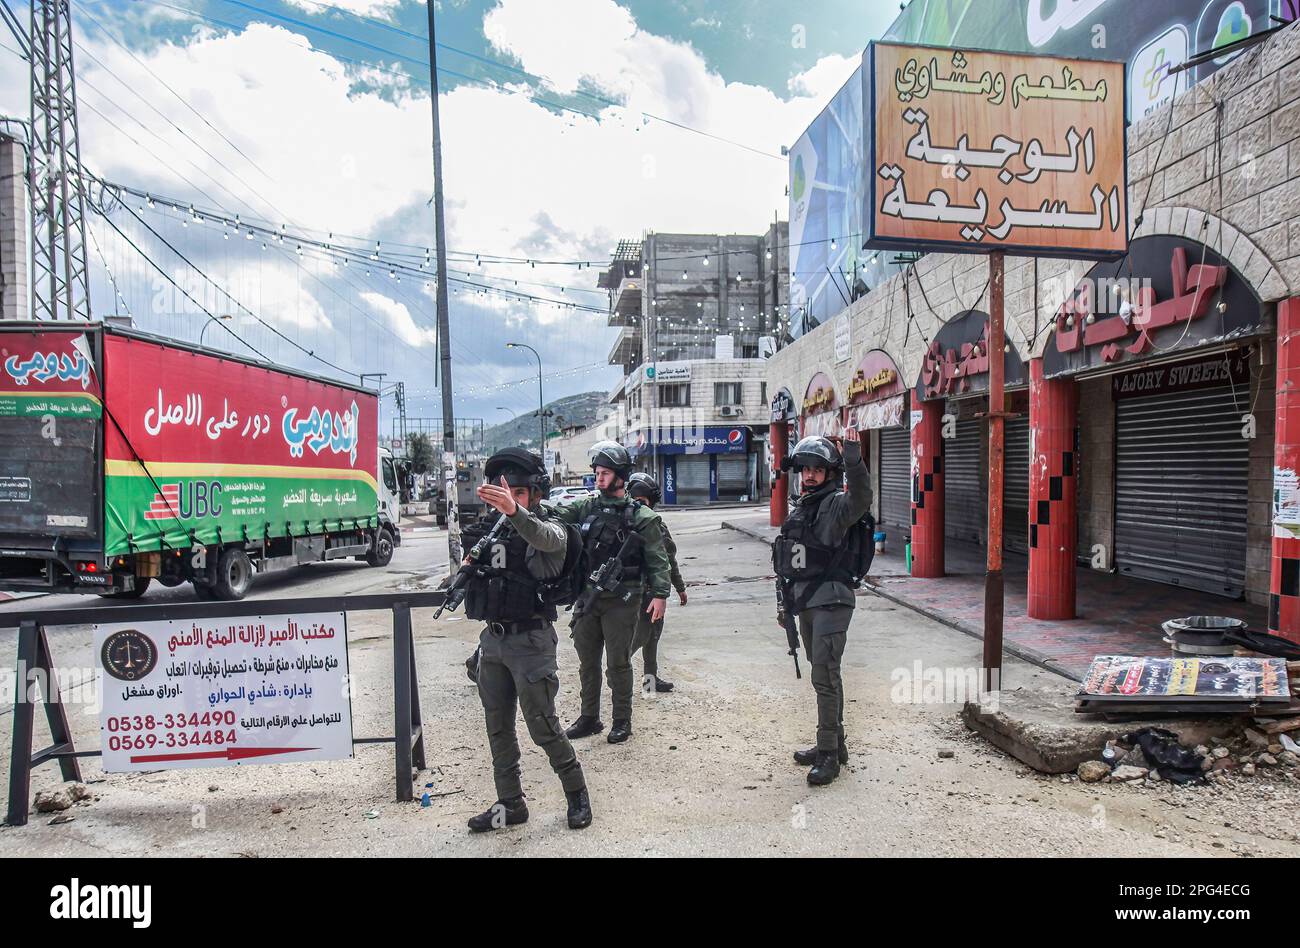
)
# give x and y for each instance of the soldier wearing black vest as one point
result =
(606, 519)
(517, 661)
(812, 554)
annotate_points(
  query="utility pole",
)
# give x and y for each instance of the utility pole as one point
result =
(444, 318)
(993, 580)
(15, 285)
(61, 285)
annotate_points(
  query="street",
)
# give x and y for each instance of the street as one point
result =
(707, 770)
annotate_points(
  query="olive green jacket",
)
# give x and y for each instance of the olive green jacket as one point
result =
(656, 571)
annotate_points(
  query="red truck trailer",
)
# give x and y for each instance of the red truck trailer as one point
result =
(128, 458)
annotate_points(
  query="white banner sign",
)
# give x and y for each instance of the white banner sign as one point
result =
(223, 692)
(886, 413)
(668, 372)
(843, 338)
(825, 424)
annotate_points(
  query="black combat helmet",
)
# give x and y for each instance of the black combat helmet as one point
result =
(815, 451)
(642, 484)
(612, 455)
(520, 468)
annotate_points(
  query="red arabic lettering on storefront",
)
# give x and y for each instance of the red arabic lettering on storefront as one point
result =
(949, 372)
(1076, 324)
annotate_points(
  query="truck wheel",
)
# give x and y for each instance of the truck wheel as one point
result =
(234, 575)
(382, 554)
(141, 587)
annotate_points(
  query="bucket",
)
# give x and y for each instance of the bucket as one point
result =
(880, 541)
(907, 556)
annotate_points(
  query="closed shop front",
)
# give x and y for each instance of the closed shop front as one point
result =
(964, 500)
(1015, 486)
(896, 477)
(733, 476)
(1181, 482)
(692, 478)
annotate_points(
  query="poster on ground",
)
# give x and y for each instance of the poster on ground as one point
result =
(223, 692)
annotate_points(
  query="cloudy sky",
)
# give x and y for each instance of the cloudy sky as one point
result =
(560, 134)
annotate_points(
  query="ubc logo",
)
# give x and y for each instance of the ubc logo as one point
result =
(192, 501)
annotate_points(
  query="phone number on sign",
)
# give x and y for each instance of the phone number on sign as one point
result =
(172, 721)
(173, 739)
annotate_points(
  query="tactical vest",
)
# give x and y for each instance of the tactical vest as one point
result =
(503, 589)
(603, 533)
(799, 556)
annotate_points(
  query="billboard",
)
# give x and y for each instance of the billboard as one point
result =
(1152, 37)
(229, 447)
(828, 179)
(975, 151)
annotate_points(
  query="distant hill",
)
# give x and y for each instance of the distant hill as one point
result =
(580, 410)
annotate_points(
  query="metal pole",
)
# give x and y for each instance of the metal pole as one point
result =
(993, 592)
(444, 319)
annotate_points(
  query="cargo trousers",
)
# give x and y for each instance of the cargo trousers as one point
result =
(609, 628)
(825, 631)
(518, 668)
(646, 638)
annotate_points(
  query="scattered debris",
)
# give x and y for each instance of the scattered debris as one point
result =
(61, 819)
(1124, 773)
(946, 754)
(1093, 771)
(52, 801)
(371, 814)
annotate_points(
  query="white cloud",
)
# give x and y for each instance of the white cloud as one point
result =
(400, 319)
(521, 180)
(372, 8)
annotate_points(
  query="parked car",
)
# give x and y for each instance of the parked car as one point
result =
(567, 495)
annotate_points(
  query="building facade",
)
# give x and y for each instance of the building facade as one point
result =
(1164, 447)
(697, 317)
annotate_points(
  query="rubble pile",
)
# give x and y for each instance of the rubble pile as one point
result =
(1152, 757)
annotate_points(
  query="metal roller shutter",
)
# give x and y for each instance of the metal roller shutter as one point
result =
(963, 501)
(733, 476)
(1015, 487)
(1181, 483)
(896, 477)
(692, 479)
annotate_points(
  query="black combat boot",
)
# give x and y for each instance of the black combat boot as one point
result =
(510, 812)
(662, 686)
(806, 758)
(825, 770)
(620, 732)
(579, 809)
(585, 726)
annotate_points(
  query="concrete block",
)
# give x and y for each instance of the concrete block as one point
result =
(1041, 729)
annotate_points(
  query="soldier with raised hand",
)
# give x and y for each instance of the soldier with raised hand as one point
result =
(607, 628)
(517, 661)
(645, 489)
(814, 556)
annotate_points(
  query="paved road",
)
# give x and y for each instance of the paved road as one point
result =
(708, 767)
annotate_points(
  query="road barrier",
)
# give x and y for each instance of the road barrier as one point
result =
(34, 656)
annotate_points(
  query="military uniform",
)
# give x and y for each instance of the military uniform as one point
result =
(647, 632)
(513, 587)
(819, 522)
(611, 622)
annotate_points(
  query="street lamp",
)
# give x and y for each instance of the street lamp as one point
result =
(203, 332)
(541, 413)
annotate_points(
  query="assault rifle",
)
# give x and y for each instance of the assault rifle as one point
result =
(790, 621)
(460, 582)
(606, 578)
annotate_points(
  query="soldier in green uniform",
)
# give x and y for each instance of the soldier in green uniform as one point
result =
(517, 663)
(645, 489)
(608, 627)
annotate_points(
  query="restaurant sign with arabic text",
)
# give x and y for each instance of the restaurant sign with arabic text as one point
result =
(956, 363)
(973, 151)
(1169, 294)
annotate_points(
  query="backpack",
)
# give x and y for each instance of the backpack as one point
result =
(859, 548)
(564, 589)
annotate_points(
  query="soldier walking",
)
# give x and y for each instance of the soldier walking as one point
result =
(645, 489)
